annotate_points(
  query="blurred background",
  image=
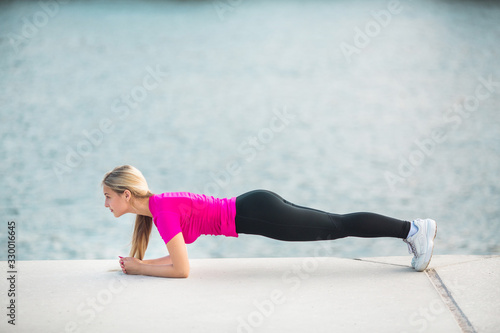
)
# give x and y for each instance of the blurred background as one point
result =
(344, 106)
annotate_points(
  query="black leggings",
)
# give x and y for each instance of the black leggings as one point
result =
(267, 214)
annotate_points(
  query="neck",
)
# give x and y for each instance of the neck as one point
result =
(141, 207)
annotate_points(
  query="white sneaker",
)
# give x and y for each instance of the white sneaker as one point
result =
(422, 243)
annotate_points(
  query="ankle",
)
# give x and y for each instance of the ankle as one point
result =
(413, 229)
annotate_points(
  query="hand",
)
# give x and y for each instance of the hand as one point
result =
(130, 265)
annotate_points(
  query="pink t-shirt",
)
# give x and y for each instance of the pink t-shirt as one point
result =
(193, 215)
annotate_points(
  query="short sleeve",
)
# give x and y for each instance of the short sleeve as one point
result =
(168, 225)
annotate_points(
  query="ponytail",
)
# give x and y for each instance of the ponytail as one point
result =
(140, 238)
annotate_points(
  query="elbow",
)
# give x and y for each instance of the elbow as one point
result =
(183, 274)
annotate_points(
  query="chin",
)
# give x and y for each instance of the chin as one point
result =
(117, 214)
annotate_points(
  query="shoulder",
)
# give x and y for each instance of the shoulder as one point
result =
(177, 202)
(173, 195)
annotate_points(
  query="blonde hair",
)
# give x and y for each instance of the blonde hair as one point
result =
(126, 177)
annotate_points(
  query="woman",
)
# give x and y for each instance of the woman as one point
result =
(182, 217)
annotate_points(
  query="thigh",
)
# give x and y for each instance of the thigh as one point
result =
(268, 214)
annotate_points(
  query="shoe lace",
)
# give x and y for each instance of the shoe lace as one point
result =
(411, 247)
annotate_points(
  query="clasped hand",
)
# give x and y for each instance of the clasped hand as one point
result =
(130, 265)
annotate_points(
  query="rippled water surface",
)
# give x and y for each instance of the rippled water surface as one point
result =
(339, 105)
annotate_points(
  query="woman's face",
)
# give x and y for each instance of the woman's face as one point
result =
(116, 202)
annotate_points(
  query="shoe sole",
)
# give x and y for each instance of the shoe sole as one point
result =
(428, 255)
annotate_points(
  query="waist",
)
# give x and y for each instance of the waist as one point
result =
(217, 217)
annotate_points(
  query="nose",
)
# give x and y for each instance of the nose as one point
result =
(106, 203)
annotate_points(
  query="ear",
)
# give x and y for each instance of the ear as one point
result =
(127, 195)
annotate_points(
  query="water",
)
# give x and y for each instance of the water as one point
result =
(357, 130)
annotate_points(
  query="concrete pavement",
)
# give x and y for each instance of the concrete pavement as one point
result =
(320, 294)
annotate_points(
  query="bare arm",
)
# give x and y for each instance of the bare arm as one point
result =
(159, 261)
(178, 268)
